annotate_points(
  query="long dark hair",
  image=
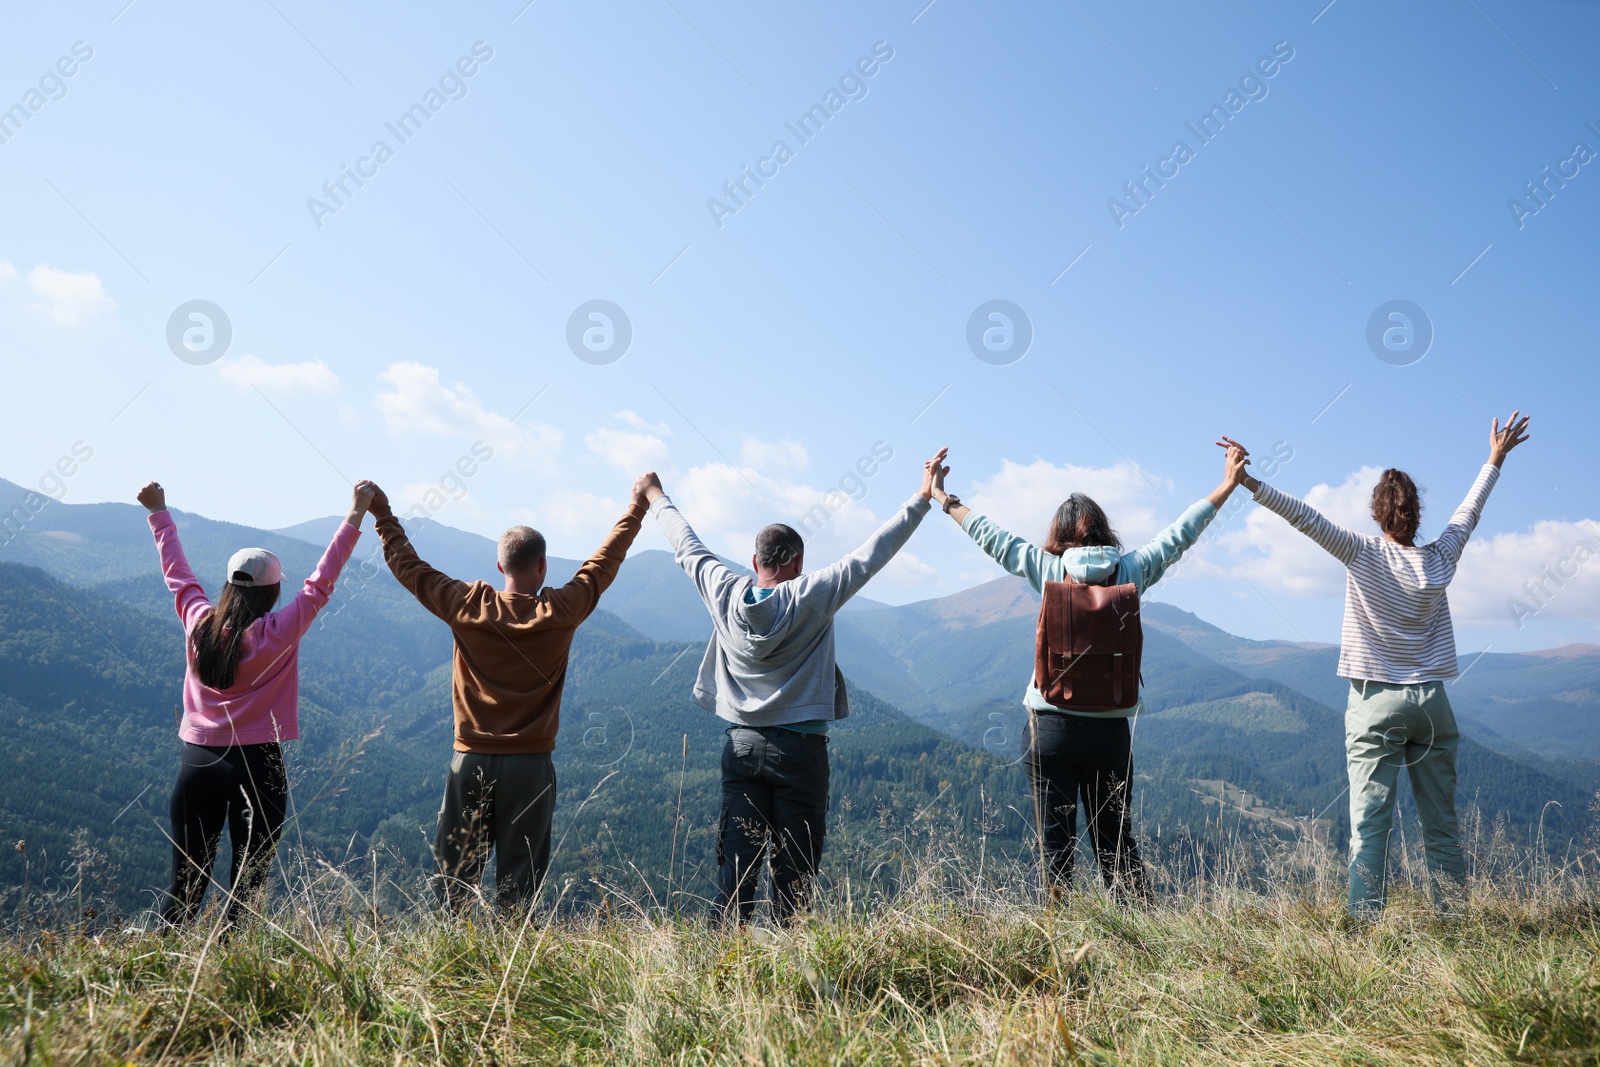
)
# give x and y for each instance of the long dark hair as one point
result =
(218, 638)
(1080, 523)
(1397, 506)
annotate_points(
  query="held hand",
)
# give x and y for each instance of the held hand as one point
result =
(647, 488)
(362, 497)
(1501, 442)
(379, 502)
(1230, 444)
(1234, 464)
(933, 475)
(153, 497)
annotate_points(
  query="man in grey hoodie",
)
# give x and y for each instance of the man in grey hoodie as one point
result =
(769, 670)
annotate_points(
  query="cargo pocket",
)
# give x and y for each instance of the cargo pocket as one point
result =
(741, 744)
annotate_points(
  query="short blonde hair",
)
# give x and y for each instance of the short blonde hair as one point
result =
(521, 550)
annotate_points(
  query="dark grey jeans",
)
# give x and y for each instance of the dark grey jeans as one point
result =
(774, 797)
(502, 803)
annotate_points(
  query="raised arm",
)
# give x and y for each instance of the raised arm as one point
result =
(1453, 538)
(188, 597)
(581, 595)
(438, 592)
(709, 574)
(1150, 561)
(1339, 542)
(290, 622)
(1015, 554)
(836, 584)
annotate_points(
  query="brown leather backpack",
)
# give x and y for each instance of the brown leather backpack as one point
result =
(1089, 646)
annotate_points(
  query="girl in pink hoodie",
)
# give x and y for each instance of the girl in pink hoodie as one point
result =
(241, 696)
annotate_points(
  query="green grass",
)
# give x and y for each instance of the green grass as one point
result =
(1220, 976)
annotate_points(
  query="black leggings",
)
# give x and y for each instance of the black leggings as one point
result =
(1069, 756)
(243, 787)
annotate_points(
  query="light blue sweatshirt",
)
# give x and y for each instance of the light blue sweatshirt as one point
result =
(1143, 567)
(770, 661)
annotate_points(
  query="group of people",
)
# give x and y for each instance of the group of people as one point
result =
(770, 672)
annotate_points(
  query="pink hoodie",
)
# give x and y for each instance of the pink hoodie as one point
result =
(264, 703)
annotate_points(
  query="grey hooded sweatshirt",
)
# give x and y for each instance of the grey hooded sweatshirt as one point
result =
(771, 663)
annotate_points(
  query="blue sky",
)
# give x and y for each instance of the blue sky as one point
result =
(775, 346)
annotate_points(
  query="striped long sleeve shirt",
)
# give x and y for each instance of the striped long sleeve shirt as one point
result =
(1396, 614)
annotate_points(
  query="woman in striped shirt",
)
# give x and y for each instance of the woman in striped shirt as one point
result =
(1397, 648)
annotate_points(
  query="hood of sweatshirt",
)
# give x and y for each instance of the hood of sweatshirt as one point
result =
(1093, 565)
(761, 626)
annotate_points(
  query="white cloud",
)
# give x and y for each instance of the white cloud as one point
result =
(728, 506)
(442, 500)
(8, 273)
(416, 401)
(908, 571)
(67, 297)
(638, 422)
(1274, 555)
(244, 371)
(573, 514)
(774, 456)
(1551, 570)
(1023, 498)
(632, 451)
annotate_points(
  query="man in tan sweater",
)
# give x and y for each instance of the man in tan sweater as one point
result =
(510, 665)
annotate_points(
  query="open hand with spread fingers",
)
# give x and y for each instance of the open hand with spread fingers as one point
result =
(1502, 441)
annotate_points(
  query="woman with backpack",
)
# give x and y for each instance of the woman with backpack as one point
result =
(1072, 751)
(1397, 648)
(241, 694)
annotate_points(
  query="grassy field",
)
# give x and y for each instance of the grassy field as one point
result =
(942, 972)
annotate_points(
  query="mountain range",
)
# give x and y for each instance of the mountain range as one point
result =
(1235, 730)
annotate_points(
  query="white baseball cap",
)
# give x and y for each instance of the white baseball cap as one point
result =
(254, 567)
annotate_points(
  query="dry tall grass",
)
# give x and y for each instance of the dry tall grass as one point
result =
(1255, 962)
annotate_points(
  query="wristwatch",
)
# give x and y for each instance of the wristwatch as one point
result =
(951, 501)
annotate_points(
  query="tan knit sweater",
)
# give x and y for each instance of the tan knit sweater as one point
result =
(511, 648)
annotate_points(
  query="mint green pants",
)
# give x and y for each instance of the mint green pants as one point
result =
(1387, 728)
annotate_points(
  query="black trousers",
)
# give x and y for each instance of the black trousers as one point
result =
(243, 788)
(1071, 757)
(774, 799)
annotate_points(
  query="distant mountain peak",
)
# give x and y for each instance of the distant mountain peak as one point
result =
(1187, 626)
(1002, 598)
(1577, 650)
(1176, 617)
